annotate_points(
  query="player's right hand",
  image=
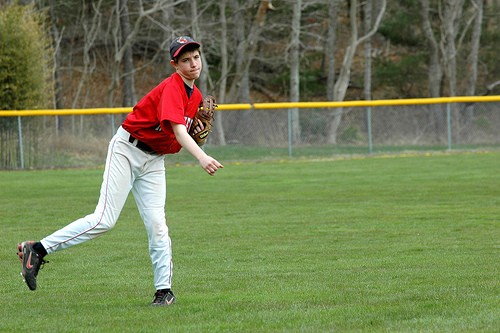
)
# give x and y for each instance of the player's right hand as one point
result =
(210, 164)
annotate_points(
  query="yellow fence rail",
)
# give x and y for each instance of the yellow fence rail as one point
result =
(266, 106)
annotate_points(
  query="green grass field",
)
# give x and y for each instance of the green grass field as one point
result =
(376, 244)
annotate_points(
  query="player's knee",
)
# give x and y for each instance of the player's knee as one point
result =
(157, 230)
(104, 222)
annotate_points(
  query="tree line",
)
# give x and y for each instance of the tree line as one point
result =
(109, 53)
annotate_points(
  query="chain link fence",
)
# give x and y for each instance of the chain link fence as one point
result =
(36, 142)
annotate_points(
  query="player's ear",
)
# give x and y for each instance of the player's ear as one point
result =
(173, 64)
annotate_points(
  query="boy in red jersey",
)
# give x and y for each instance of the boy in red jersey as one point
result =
(158, 125)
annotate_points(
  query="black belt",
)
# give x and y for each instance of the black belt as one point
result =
(141, 145)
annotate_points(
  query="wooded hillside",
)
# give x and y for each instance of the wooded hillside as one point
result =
(109, 53)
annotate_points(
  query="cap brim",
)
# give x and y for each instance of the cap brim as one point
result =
(183, 46)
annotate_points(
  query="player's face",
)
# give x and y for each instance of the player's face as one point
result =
(188, 65)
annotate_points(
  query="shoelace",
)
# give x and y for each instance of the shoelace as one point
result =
(42, 263)
(159, 296)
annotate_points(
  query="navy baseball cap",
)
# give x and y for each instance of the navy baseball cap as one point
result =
(179, 43)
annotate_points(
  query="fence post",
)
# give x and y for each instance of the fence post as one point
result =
(290, 134)
(448, 121)
(113, 129)
(369, 126)
(20, 133)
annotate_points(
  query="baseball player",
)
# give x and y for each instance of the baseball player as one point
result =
(158, 125)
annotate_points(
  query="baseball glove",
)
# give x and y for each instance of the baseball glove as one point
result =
(205, 114)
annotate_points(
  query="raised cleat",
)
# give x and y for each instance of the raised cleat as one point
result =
(32, 262)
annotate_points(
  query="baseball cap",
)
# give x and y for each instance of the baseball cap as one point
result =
(179, 43)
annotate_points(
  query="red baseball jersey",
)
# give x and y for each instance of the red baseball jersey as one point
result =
(150, 119)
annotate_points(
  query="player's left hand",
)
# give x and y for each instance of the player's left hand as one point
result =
(198, 127)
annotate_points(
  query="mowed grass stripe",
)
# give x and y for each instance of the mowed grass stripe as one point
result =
(405, 243)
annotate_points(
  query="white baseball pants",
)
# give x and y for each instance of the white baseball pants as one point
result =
(127, 168)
